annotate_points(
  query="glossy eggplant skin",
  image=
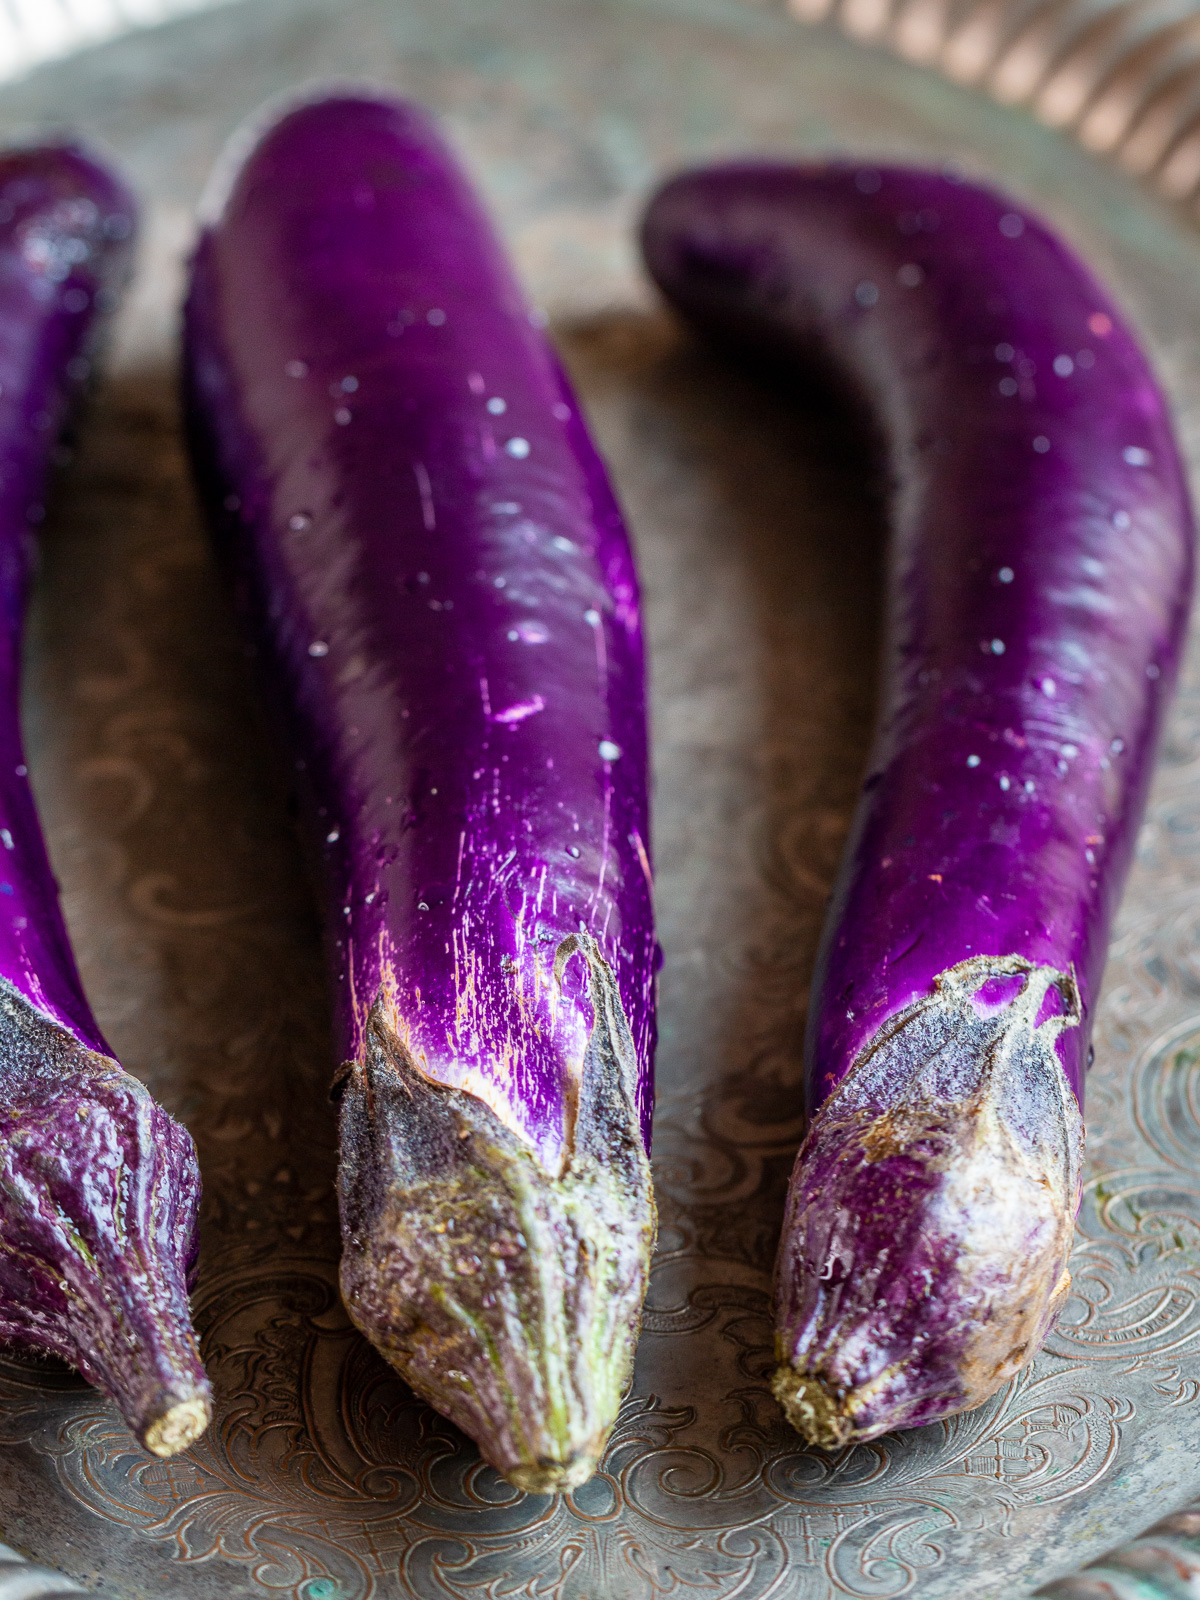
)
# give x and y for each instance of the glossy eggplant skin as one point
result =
(1039, 576)
(443, 601)
(98, 1186)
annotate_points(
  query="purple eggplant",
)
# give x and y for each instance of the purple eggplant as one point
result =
(98, 1185)
(1039, 574)
(442, 598)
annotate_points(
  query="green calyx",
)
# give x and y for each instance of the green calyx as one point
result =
(508, 1298)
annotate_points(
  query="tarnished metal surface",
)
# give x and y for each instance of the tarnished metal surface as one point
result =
(20, 1580)
(1162, 1564)
(33, 31)
(759, 541)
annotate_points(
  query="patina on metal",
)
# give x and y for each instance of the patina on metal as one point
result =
(1163, 1564)
(758, 528)
(20, 1580)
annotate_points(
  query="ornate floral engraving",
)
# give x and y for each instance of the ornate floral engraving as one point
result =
(321, 1468)
(322, 1478)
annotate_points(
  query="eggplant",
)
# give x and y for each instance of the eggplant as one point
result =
(1039, 572)
(441, 596)
(99, 1187)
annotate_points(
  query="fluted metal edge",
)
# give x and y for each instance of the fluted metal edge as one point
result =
(1162, 1564)
(1121, 76)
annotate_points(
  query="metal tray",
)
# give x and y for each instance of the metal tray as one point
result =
(322, 1478)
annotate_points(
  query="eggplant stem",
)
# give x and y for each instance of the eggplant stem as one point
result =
(178, 1427)
(811, 1408)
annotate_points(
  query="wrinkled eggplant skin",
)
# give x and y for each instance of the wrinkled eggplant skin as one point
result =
(100, 1190)
(98, 1186)
(1039, 573)
(448, 596)
(442, 599)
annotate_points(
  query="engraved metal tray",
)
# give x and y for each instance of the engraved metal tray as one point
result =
(321, 1477)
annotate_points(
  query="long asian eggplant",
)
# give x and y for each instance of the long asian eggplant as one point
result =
(98, 1185)
(1038, 580)
(442, 597)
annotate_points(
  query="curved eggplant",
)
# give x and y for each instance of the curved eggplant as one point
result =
(443, 599)
(1039, 575)
(98, 1185)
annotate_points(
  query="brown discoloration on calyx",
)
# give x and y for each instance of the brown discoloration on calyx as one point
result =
(506, 1296)
(901, 1128)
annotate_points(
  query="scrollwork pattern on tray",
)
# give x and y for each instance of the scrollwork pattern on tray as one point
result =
(321, 1468)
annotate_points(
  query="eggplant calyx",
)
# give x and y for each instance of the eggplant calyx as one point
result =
(508, 1297)
(931, 1210)
(98, 1195)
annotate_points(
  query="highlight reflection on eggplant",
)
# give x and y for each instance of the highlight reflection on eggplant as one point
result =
(1040, 570)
